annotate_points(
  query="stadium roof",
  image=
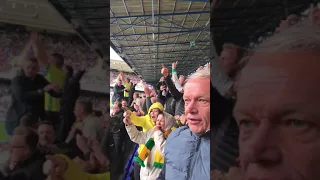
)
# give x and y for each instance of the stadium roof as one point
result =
(148, 33)
(117, 63)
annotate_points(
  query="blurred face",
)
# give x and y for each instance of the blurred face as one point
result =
(181, 79)
(154, 114)
(116, 108)
(316, 16)
(78, 110)
(160, 122)
(197, 104)
(124, 104)
(119, 83)
(228, 59)
(46, 134)
(31, 69)
(18, 148)
(153, 100)
(277, 111)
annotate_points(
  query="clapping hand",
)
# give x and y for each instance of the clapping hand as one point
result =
(51, 87)
(127, 121)
(54, 167)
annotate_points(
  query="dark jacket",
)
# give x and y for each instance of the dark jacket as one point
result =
(116, 123)
(131, 92)
(178, 105)
(163, 99)
(71, 92)
(106, 142)
(225, 133)
(118, 92)
(26, 99)
(29, 169)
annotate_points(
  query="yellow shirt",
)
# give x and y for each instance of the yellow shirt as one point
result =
(74, 172)
(55, 76)
(128, 86)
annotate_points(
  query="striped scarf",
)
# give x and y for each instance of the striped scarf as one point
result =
(146, 151)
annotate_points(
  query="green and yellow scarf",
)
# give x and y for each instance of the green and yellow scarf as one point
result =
(146, 151)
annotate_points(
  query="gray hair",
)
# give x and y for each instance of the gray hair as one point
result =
(203, 73)
(302, 36)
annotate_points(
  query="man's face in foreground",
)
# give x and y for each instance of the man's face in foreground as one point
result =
(197, 104)
(278, 116)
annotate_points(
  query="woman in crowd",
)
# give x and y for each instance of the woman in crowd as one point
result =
(150, 157)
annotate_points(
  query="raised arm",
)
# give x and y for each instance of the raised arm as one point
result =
(173, 90)
(38, 48)
(175, 76)
(136, 136)
(136, 120)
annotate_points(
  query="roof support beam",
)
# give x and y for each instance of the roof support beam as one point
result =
(169, 14)
(165, 44)
(172, 52)
(172, 32)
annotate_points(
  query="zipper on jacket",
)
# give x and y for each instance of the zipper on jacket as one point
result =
(194, 158)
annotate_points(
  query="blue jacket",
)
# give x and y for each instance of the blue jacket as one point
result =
(187, 156)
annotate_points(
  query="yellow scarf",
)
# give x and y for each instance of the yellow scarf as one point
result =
(146, 151)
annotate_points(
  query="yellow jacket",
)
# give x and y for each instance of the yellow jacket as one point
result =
(145, 121)
(74, 172)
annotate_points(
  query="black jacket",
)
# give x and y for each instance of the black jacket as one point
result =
(116, 123)
(26, 99)
(225, 133)
(29, 169)
(178, 105)
(118, 92)
(71, 92)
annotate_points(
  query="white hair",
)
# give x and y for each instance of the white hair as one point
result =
(302, 36)
(203, 73)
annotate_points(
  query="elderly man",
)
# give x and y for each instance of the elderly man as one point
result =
(278, 105)
(187, 149)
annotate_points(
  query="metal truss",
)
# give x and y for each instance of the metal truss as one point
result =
(164, 40)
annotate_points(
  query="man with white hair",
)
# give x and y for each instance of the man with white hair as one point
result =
(277, 107)
(187, 149)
